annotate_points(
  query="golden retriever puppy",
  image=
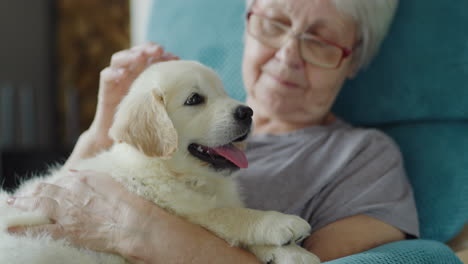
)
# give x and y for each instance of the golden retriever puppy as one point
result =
(177, 136)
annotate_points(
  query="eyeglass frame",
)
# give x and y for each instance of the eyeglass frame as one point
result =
(345, 52)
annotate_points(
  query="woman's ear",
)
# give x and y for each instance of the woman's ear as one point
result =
(142, 121)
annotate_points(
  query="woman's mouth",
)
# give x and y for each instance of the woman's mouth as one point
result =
(283, 82)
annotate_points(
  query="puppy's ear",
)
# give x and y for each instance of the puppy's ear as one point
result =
(142, 121)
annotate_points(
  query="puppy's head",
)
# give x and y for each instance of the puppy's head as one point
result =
(179, 110)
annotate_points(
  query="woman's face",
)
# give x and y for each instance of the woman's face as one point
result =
(279, 83)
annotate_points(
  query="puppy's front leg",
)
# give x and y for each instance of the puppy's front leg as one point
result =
(244, 227)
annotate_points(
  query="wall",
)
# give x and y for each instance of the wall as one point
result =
(26, 68)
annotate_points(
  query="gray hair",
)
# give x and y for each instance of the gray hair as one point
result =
(373, 19)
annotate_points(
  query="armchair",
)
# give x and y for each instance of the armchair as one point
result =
(415, 91)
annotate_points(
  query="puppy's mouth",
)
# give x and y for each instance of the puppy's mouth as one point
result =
(222, 157)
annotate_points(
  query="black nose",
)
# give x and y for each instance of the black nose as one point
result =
(243, 113)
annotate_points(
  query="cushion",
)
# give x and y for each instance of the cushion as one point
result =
(404, 252)
(421, 72)
(208, 31)
(415, 91)
(436, 159)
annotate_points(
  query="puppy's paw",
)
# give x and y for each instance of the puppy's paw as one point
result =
(279, 229)
(290, 254)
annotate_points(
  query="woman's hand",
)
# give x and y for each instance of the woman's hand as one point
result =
(115, 80)
(91, 210)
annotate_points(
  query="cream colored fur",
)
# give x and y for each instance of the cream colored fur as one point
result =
(152, 131)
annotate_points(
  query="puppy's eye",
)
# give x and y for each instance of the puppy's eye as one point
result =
(194, 99)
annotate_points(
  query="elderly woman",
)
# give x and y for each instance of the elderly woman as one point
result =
(349, 183)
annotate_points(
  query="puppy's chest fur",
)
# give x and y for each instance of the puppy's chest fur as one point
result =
(182, 194)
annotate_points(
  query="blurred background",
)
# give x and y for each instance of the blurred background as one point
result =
(51, 54)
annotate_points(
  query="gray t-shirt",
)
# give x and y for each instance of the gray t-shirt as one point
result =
(325, 173)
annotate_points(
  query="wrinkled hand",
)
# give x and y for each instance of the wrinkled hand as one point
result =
(115, 80)
(91, 210)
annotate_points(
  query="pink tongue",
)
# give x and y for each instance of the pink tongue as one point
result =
(233, 154)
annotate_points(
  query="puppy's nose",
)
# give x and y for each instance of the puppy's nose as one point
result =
(243, 113)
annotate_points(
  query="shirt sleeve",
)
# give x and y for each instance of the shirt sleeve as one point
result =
(372, 183)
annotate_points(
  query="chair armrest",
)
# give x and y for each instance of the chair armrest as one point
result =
(416, 251)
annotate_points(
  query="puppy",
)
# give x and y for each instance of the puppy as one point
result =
(177, 139)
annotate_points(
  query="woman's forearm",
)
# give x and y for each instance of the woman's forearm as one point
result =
(171, 239)
(88, 145)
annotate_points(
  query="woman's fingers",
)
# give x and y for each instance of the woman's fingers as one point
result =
(53, 230)
(169, 56)
(109, 190)
(78, 181)
(114, 84)
(110, 76)
(137, 56)
(148, 47)
(49, 190)
(45, 205)
(131, 60)
(100, 183)
(79, 192)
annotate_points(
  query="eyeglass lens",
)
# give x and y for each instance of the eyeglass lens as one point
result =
(313, 50)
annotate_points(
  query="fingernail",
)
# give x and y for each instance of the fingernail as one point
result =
(152, 49)
(11, 200)
(13, 229)
(149, 61)
(120, 71)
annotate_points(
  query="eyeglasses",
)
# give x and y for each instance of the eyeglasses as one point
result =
(314, 50)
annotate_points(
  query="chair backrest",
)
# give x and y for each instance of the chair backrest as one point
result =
(416, 89)
(209, 31)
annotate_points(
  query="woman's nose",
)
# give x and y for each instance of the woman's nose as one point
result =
(290, 53)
